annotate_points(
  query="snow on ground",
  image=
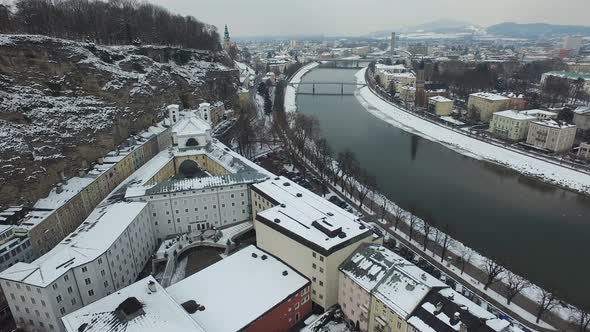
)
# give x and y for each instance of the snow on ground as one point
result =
(468, 146)
(290, 93)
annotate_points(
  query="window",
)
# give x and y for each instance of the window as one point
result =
(321, 283)
(84, 269)
(313, 265)
(42, 303)
(58, 298)
(12, 296)
(87, 281)
(66, 277)
(33, 300)
(100, 261)
(313, 254)
(313, 279)
(106, 284)
(321, 258)
(321, 297)
(22, 298)
(54, 286)
(62, 311)
(102, 273)
(321, 270)
(73, 301)
(91, 292)
(70, 290)
(296, 305)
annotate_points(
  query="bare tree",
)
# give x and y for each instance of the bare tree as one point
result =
(427, 226)
(465, 258)
(384, 205)
(547, 302)
(412, 220)
(447, 241)
(367, 184)
(515, 284)
(581, 318)
(398, 214)
(493, 271)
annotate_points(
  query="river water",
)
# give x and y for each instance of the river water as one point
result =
(539, 231)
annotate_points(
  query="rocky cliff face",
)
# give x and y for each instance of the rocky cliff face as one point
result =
(63, 104)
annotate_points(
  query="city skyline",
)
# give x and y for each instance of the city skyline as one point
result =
(330, 17)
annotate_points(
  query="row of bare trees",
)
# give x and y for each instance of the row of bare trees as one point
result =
(109, 22)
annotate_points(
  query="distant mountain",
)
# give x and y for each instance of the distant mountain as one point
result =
(536, 30)
(438, 26)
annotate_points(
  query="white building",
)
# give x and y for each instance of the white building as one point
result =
(582, 118)
(573, 44)
(265, 284)
(584, 151)
(551, 135)
(105, 254)
(307, 232)
(512, 125)
(140, 307)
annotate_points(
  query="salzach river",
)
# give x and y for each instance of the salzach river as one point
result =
(541, 231)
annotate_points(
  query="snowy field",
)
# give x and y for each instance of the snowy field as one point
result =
(468, 146)
(290, 105)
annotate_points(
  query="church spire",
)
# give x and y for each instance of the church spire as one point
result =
(226, 34)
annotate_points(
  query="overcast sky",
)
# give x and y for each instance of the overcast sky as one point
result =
(356, 17)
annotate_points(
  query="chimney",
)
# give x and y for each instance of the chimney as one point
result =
(100, 160)
(59, 188)
(81, 172)
(456, 319)
(438, 309)
(63, 177)
(152, 286)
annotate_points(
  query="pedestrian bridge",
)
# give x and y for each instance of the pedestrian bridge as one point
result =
(335, 84)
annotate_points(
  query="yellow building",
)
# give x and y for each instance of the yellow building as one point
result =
(307, 232)
(485, 104)
(440, 105)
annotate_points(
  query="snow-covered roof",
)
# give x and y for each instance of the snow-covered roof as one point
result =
(264, 282)
(440, 99)
(489, 96)
(405, 287)
(554, 124)
(536, 112)
(515, 115)
(582, 110)
(159, 312)
(240, 170)
(307, 217)
(191, 126)
(369, 265)
(90, 240)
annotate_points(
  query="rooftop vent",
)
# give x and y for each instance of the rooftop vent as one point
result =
(342, 235)
(410, 287)
(423, 276)
(277, 178)
(299, 195)
(191, 306)
(330, 214)
(277, 220)
(283, 205)
(455, 319)
(286, 184)
(254, 255)
(285, 272)
(82, 327)
(327, 228)
(439, 307)
(264, 257)
(129, 309)
(152, 286)
(362, 226)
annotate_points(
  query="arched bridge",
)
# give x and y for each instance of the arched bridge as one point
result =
(340, 84)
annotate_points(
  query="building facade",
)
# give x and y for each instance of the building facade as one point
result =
(511, 125)
(104, 254)
(440, 105)
(584, 151)
(307, 232)
(552, 135)
(485, 104)
(582, 119)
